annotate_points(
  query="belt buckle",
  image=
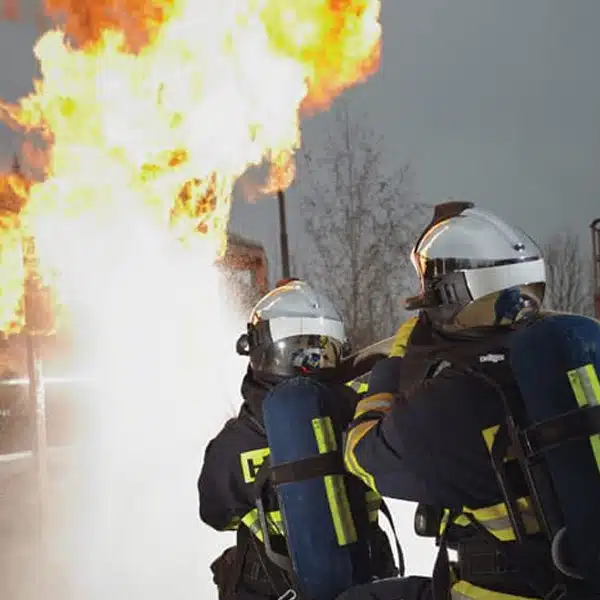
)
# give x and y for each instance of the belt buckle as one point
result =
(482, 562)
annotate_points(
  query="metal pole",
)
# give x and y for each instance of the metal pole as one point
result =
(595, 226)
(33, 326)
(37, 396)
(37, 402)
(285, 255)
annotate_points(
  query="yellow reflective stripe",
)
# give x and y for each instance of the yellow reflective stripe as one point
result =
(496, 520)
(444, 520)
(585, 385)
(380, 402)
(353, 384)
(352, 439)
(250, 520)
(586, 388)
(373, 500)
(373, 496)
(251, 462)
(489, 435)
(233, 524)
(335, 486)
(402, 336)
(274, 523)
(358, 385)
(462, 590)
(373, 512)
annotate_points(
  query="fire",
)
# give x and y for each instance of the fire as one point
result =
(12, 268)
(150, 113)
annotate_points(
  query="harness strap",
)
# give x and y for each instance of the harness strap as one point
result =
(260, 488)
(383, 507)
(441, 583)
(328, 463)
(577, 424)
(283, 583)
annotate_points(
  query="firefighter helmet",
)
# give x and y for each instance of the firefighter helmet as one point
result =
(467, 255)
(293, 330)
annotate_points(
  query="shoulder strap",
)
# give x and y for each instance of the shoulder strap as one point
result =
(388, 515)
(283, 584)
(241, 550)
(263, 476)
(279, 567)
(441, 577)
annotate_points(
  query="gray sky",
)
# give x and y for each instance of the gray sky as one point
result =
(493, 101)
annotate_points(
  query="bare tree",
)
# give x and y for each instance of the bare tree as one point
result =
(360, 224)
(568, 274)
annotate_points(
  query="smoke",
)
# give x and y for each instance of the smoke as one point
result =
(160, 343)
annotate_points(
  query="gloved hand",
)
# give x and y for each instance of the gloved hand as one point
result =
(385, 376)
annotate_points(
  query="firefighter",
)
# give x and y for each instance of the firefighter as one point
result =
(426, 430)
(233, 458)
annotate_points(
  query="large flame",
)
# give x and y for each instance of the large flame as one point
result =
(154, 108)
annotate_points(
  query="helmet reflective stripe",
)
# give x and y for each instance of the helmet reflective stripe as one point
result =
(482, 282)
(284, 327)
(293, 329)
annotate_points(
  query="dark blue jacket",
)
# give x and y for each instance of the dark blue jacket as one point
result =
(420, 437)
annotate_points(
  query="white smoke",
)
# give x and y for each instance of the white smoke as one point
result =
(160, 342)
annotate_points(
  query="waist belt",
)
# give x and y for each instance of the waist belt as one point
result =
(506, 567)
(478, 559)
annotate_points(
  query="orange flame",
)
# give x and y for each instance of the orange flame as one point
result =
(156, 107)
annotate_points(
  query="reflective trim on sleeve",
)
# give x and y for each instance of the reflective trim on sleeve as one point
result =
(359, 385)
(462, 590)
(496, 520)
(335, 486)
(373, 500)
(353, 437)
(363, 388)
(402, 336)
(233, 524)
(586, 389)
(274, 523)
(354, 384)
(378, 402)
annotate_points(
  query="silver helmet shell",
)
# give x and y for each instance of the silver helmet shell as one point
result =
(466, 254)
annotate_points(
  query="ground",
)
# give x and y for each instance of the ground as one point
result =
(21, 564)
